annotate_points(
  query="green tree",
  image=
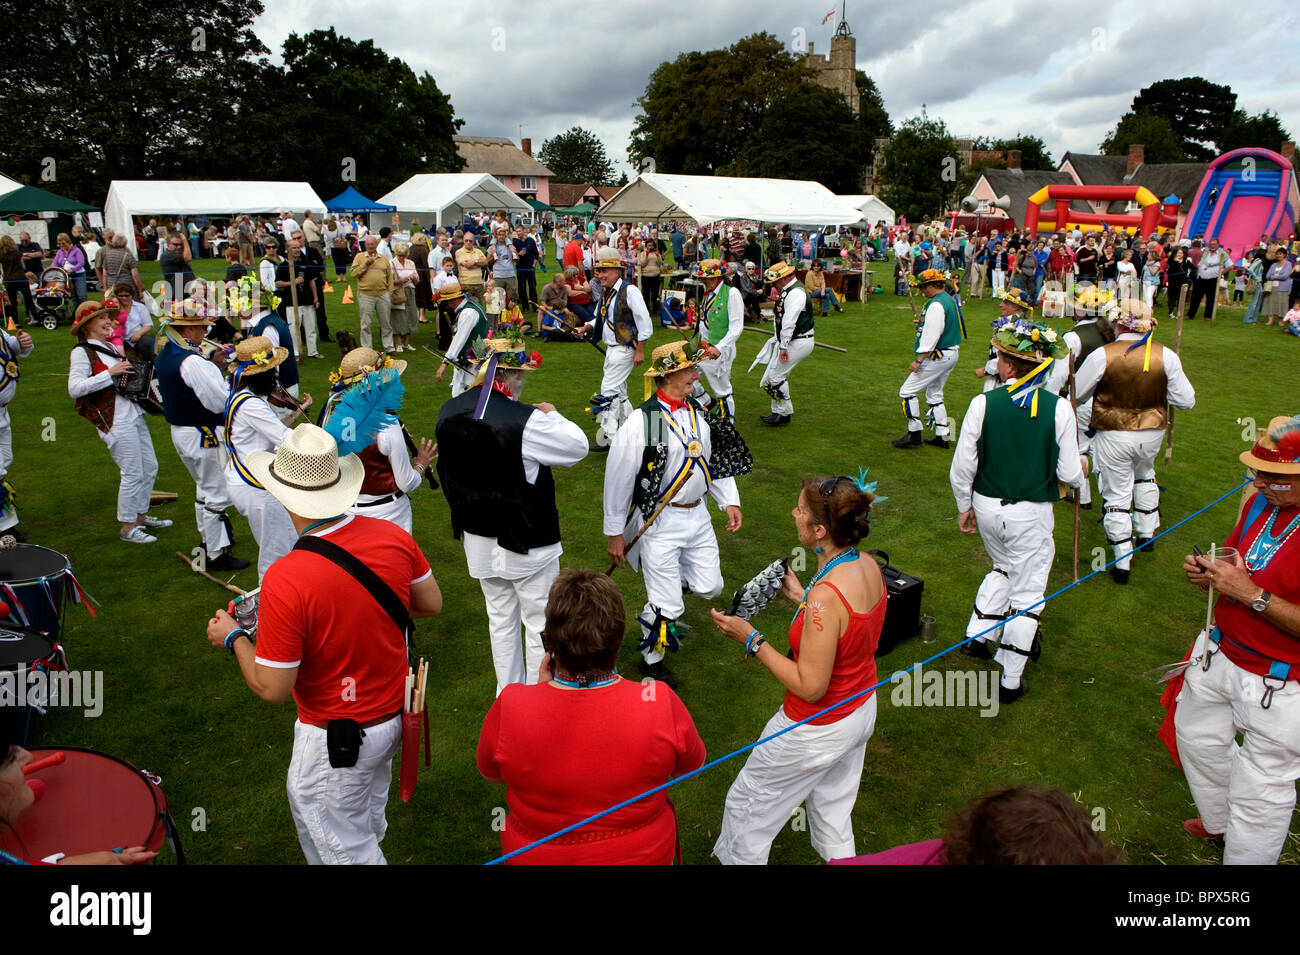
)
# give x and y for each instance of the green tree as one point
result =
(1197, 110)
(577, 156)
(873, 119)
(919, 172)
(110, 90)
(807, 133)
(1262, 129)
(1160, 143)
(702, 111)
(354, 115)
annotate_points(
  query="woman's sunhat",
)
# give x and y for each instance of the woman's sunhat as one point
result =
(91, 310)
(307, 475)
(360, 362)
(1277, 448)
(256, 355)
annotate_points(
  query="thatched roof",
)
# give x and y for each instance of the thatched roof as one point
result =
(497, 156)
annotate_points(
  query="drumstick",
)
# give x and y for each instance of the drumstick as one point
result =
(216, 580)
(54, 759)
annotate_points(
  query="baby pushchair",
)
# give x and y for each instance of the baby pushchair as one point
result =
(671, 314)
(53, 298)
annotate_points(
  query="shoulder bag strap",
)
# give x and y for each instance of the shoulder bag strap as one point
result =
(366, 577)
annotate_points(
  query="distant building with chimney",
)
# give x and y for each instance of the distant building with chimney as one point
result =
(513, 165)
(839, 70)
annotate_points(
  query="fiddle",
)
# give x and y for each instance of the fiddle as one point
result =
(281, 398)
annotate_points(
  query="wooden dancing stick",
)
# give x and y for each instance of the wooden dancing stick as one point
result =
(1178, 346)
(216, 580)
(816, 344)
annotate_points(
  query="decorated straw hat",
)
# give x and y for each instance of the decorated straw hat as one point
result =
(607, 258)
(1277, 447)
(1018, 297)
(187, 311)
(510, 352)
(1023, 338)
(1134, 315)
(675, 356)
(928, 277)
(1093, 300)
(88, 310)
(449, 291)
(711, 269)
(256, 355)
(778, 271)
(307, 475)
(360, 362)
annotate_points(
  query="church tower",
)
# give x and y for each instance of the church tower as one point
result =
(839, 70)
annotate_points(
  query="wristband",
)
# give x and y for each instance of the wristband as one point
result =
(752, 643)
(229, 643)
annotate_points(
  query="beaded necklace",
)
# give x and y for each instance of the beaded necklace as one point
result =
(848, 555)
(587, 684)
(1266, 544)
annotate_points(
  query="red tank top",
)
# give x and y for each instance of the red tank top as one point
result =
(855, 663)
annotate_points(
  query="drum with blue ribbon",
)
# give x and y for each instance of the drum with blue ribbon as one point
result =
(35, 584)
(27, 658)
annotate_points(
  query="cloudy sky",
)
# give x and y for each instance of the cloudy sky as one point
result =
(1065, 72)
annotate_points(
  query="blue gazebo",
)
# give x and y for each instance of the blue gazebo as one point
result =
(350, 201)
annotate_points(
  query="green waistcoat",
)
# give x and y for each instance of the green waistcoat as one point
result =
(1018, 453)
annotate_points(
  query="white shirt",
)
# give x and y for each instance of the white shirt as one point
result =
(965, 460)
(11, 343)
(441, 278)
(288, 227)
(625, 463)
(392, 445)
(466, 321)
(136, 319)
(901, 249)
(82, 382)
(735, 316)
(549, 439)
(385, 249)
(436, 255)
(1059, 376)
(257, 427)
(1178, 389)
(932, 330)
(640, 313)
(795, 302)
(204, 378)
(1212, 263)
(266, 273)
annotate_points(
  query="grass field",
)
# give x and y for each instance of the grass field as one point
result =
(178, 708)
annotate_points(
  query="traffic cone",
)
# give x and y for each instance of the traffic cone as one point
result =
(347, 296)
(328, 287)
(12, 327)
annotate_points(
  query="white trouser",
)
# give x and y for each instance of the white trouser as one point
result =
(461, 381)
(267, 519)
(999, 281)
(340, 812)
(1126, 475)
(1247, 792)
(512, 604)
(211, 498)
(368, 305)
(717, 372)
(398, 511)
(9, 518)
(930, 379)
(680, 547)
(613, 382)
(1018, 538)
(817, 765)
(132, 451)
(303, 329)
(1084, 415)
(778, 372)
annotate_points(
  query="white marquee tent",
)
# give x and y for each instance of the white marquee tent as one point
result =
(873, 210)
(147, 197)
(708, 199)
(442, 199)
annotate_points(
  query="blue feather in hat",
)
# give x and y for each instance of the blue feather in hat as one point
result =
(364, 410)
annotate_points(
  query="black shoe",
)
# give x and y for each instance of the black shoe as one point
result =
(977, 649)
(1010, 696)
(657, 671)
(227, 561)
(1145, 545)
(595, 448)
(939, 442)
(1119, 576)
(776, 420)
(910, 440)
(1086, 507)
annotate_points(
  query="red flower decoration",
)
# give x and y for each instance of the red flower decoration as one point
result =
(535, 357)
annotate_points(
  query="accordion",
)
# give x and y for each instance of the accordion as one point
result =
(140, 387)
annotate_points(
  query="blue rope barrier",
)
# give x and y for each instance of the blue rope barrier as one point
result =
(767, 739)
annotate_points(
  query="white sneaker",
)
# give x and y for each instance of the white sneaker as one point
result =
(136, 535)
(151, 521)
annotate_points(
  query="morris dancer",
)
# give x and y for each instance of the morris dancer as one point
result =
(194, 396)
(119, 421)
(792, 341)
(1134, 379)
(624, 325)
(722, 320)
(360, 393)
(495, 459)
(1015, 304)
(12, 347)
(471, 324)
(663, 461)
(938, 338)
(1016, 443)
(251, 424)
